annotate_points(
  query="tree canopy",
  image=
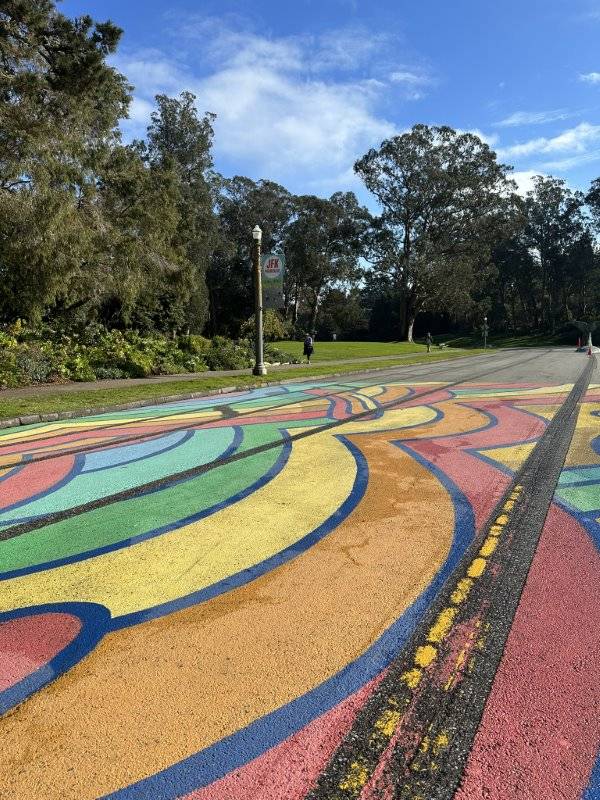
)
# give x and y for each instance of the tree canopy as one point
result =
(146, 235)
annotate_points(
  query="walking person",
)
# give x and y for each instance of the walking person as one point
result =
(429, 342)
(308, 346)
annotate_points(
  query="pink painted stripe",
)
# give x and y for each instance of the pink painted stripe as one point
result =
(291, 768)
(482, 483)
(34, 479)
(27, 643)
(541, 726)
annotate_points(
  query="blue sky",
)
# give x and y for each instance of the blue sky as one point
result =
(302, 89)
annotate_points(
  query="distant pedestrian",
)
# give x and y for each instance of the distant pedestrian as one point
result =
(429, 341)
(308, 346)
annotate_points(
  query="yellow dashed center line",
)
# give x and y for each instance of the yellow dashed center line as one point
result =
(357, 776)
(387, 723)
(442, 625)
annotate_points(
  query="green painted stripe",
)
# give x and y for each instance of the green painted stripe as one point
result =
(136, 516)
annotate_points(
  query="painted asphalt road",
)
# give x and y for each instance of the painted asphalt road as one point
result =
(200, 599)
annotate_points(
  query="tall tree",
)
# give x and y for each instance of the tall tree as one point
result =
(324, 246)
(445, 202)
(59, 106)
(136, 258)
(555, 226)
(180, 141)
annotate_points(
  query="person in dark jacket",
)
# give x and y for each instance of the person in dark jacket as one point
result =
(308, 346)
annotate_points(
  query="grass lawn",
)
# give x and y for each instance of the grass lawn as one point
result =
(93, 398)
(330, 351)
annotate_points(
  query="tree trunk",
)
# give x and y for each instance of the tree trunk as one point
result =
(411, 323)
(315, 311)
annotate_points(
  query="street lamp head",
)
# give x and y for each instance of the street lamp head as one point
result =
(485, 319)
(256, 233)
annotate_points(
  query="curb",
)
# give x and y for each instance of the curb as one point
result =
(31, 419)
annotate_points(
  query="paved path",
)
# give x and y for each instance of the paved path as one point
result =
(324, 590)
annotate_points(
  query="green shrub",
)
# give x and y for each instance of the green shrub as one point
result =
(225, 354)
(136, 364)
(37, 355)
(80, 369)
(197, 345)
(32, 364)
(275, 355)
(9, 377)
(274, 327)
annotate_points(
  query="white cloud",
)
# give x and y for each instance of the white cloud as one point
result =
(411, 78)
(524, 180)
(412, 81)
(590, 77)
(533, 117)
(571, 162)
(575, 140)
(284, 105)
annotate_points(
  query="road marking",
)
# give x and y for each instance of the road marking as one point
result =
(443, 678)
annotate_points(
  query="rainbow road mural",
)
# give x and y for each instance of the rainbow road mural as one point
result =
(197, 598)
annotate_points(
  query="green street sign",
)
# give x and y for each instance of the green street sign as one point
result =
(273, 266)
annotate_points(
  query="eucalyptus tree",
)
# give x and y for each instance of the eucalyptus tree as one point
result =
(324, 246)
(557, 233)
(445, 202)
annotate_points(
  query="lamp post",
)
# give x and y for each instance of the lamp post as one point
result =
(259, 367)
(485, 332)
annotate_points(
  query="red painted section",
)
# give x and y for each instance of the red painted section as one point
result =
(482, 483)
(34, 479)
(262, 418)
(291, 769)
(541, 726)
(27, 643)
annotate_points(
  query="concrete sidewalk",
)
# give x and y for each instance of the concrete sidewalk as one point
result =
(57, 388)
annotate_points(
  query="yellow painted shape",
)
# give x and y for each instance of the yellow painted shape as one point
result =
(388, 722)
(391, 420)
(502, 519)
(581, 452)
(177, 563)
(412, 678)
(371, 391)
(496, 530)
(425, 655)
(476, 568)
(52, 429)
(357, 776)
(488, 547)
(442, 740)
(512, 457)
(541, 390)
(509, 505)
(440, 628)
(463, 587)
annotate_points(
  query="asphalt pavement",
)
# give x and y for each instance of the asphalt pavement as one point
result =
(379, 586)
